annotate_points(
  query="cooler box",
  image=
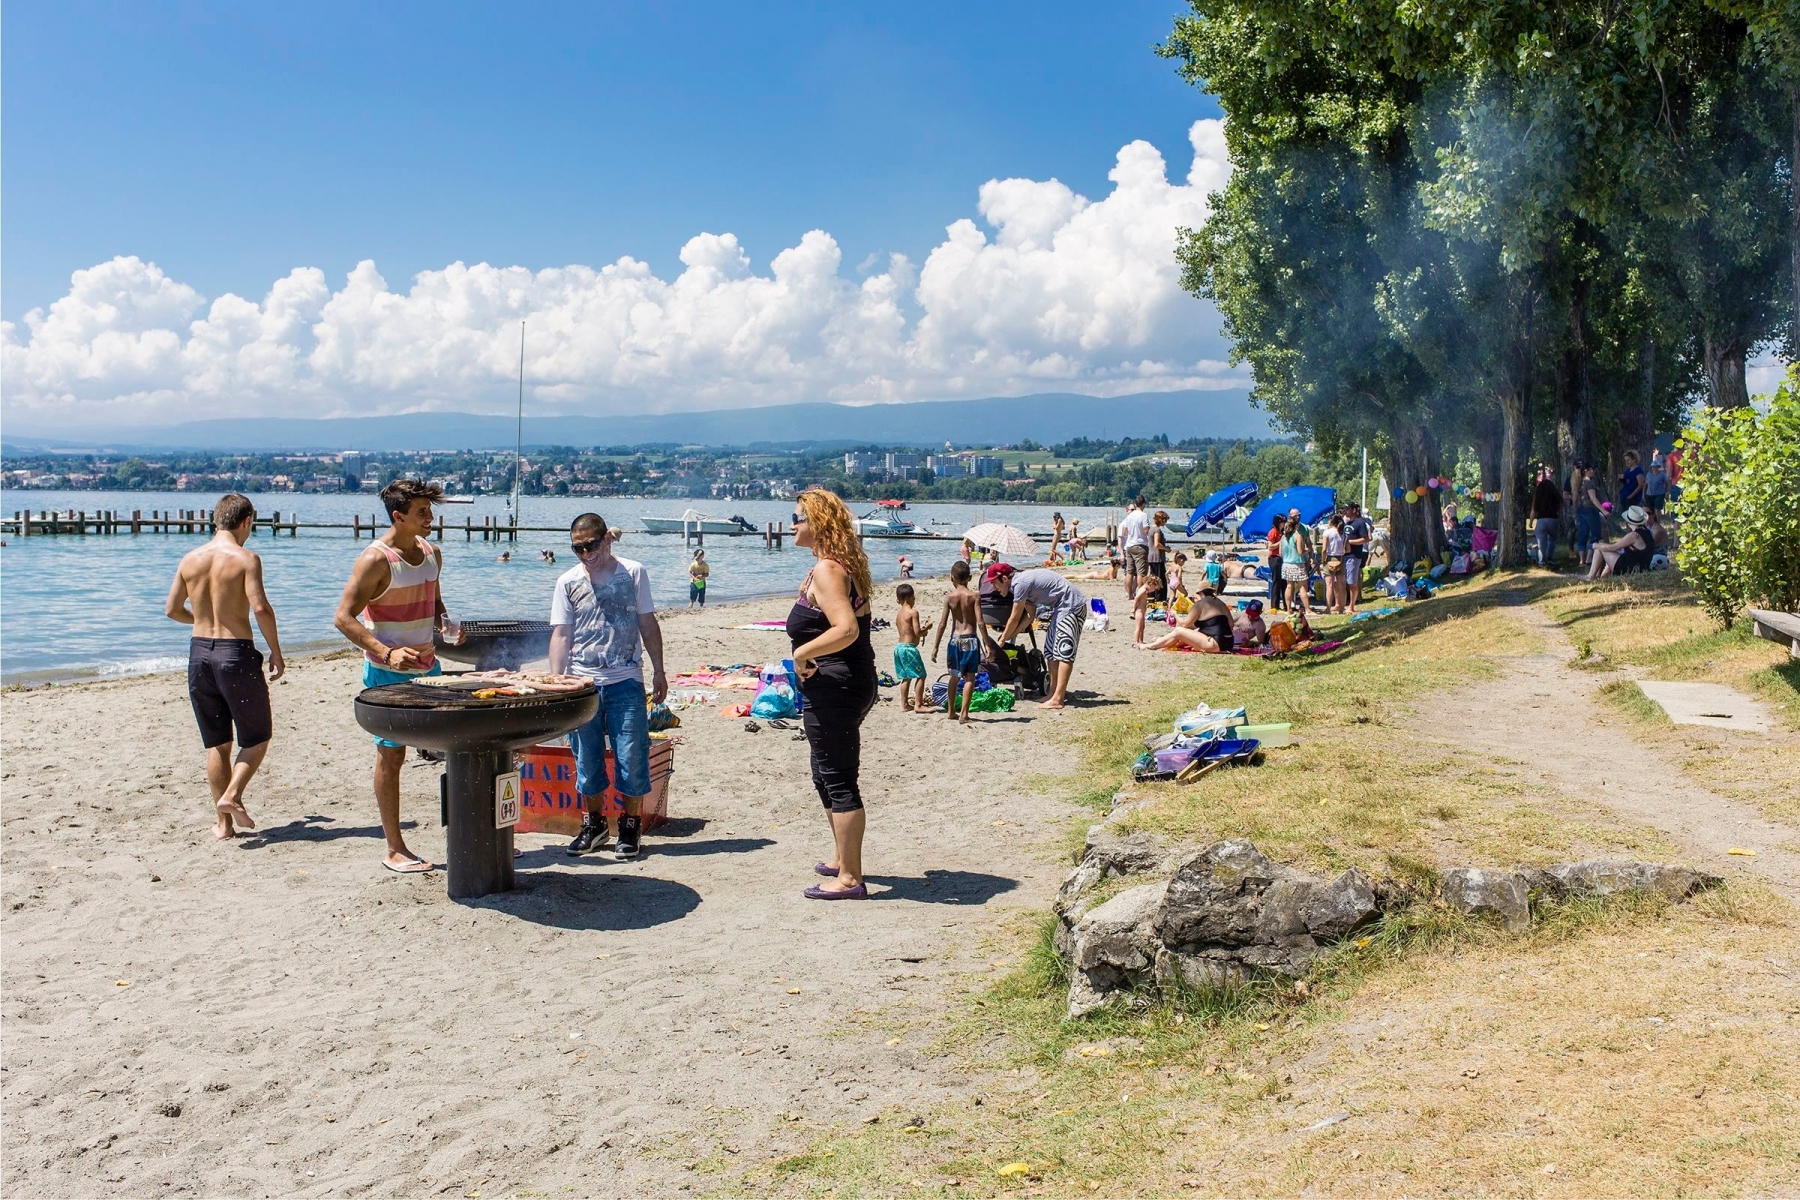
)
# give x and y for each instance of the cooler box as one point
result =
(550, 803)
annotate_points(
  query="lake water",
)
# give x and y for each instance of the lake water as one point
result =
(78, 607)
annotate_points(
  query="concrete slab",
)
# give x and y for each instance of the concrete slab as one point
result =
(1708, 704)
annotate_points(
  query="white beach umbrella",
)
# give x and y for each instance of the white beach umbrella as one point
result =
(1008, 540)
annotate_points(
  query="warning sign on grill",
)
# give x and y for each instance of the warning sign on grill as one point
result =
(506, 800)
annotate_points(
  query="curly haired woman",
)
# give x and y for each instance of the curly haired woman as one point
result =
(835, 662)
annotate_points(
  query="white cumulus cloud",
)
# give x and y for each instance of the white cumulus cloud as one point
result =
(1048, 289)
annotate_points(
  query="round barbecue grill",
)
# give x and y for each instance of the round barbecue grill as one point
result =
(489, 645)
(477, 737)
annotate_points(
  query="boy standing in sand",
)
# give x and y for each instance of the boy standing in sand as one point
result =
(388, 611)
(909, 667)
(222, 582)
(962, 616)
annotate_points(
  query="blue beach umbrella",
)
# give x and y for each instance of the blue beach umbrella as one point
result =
(1314, 504)
(1221, 504)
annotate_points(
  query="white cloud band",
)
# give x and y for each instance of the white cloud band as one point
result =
(1067, 293)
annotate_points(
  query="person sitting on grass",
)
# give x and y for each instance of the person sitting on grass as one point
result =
(1247, 628)
(1206, 627)
(1628, 553)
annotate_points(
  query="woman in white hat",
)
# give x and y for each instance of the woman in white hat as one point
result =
(1629, 553)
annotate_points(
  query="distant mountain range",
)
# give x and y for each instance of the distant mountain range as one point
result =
(1049, 417)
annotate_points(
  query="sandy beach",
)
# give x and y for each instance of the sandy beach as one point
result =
(279, 1016)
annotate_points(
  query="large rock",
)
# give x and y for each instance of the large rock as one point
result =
(1228, 902)
(1112, 945)
(1341, 907)
(1481, 892)
(1610, 877)
(1175, 970)
(1108, 856)
(1215, 896)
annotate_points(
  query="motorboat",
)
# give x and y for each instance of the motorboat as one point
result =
(885, 523)
(698, 522)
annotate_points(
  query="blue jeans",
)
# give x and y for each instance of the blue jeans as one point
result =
(623, 723)
(1587, 529)
(1546, 540)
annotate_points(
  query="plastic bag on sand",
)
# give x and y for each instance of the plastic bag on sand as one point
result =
(775, 698)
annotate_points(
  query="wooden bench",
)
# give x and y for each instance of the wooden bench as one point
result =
(1777, 627)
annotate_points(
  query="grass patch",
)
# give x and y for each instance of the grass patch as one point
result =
(1651, 623)
(1121, 1100)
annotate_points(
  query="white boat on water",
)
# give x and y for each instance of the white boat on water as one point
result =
(698, 522)
(884, 523)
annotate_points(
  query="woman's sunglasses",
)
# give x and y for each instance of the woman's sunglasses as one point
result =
(799, 519)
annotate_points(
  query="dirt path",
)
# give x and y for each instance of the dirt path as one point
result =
(1548, 717)
(279, 1016)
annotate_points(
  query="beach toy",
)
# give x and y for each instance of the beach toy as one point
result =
(1098, 606)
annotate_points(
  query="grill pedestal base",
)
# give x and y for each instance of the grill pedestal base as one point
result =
(480, 856)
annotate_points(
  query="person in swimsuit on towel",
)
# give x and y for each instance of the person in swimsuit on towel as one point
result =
(1206, 627)
(217, 589)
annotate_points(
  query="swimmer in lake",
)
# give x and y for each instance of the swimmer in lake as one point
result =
(218, 589)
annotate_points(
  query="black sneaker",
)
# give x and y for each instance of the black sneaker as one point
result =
(591, 837)
(627, 845)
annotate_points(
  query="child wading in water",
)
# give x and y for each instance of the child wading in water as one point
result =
(962, 616)
(909, 668)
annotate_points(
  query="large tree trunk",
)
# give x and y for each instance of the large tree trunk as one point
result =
(1634, 429)
(1575, 437)
(1515, 473)
(1794, 184)
(1487, 457)
(1409, 456)
(1724, 356)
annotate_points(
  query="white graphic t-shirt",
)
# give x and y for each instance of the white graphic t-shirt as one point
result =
(602, 610)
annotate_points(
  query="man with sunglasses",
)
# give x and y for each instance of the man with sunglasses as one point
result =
(602, 621)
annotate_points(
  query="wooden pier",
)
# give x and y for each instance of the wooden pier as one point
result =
(192, 522)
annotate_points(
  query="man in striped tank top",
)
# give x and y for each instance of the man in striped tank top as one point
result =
(388, 611)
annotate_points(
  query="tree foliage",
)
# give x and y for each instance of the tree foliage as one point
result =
(1528, 228)
(1740, 505)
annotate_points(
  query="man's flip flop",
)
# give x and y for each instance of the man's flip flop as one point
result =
(414, 866)
(752, 727)
(780, 723)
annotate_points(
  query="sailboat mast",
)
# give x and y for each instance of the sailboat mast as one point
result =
(519, 434)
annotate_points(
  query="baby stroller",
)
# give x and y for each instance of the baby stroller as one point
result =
(1015, 664)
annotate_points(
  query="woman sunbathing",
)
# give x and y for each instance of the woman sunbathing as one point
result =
(1206, 627)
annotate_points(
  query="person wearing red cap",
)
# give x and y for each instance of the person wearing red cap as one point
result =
(1044, 588)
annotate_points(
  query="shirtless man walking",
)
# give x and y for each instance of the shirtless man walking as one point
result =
(217, 589)
(388, 611)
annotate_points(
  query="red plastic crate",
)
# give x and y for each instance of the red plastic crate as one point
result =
(550, 803)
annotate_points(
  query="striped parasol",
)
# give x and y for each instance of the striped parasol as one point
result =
(1006, 540)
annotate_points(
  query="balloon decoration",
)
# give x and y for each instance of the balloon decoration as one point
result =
(1413, 497)
(1399, 492)
(1433, 483)
(1420, 491)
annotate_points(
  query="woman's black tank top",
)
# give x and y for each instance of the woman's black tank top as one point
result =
(855, 663)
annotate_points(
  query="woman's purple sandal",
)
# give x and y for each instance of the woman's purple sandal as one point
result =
(822, 869)
(859, 892)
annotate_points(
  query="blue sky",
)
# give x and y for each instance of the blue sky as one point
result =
(230, 142)
(339, 209)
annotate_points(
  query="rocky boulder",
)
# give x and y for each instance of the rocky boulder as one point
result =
(1482, 892)
(1611, 877)
(1112, 945)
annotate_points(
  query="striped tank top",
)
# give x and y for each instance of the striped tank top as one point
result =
(406, 613)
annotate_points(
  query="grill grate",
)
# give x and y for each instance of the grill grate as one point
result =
(425, 695)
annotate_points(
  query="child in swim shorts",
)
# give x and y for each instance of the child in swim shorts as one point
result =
(909, 666)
